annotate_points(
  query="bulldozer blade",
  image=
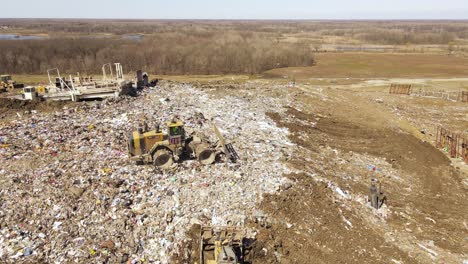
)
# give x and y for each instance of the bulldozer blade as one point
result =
(232, 154)
(227, 147)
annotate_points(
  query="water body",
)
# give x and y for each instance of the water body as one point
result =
(133, 37)
(19, 37)
(354, 48)
(29, 37)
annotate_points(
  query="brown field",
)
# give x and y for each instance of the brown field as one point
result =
(370, 65)
(334, 68)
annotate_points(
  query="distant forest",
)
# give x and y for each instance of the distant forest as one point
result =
(174, 53)
(198, 47)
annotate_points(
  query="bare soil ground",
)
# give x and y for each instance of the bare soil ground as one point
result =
(377, 65)
(425, 221)
(13, 106)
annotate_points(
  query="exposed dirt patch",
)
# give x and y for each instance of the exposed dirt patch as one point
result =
(8, 105)
(377, 65)
(312, 229)
(189, 252)
(404, 150)
(425, 201)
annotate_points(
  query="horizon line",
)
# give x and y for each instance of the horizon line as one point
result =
(239, 19)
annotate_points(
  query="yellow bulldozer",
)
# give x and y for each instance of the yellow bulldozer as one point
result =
(222, 245)
(7, 83)
(163, 148)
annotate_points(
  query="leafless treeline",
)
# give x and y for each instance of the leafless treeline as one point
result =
(167, 53)
(200, 47)
(380, 32)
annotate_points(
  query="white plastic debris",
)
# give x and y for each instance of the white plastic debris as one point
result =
(70, 174)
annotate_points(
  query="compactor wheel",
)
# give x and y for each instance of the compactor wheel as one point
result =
(207, 157)
(163, 159)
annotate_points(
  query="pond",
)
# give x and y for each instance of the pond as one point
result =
(19, 37)
(133, 37)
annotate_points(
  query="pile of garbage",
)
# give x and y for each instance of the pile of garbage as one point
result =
(70, 193)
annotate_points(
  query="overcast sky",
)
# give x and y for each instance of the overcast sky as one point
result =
(237, 9)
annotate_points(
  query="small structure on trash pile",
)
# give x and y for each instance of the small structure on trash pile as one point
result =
(464, 96)
(162, 148)
(396, 88)
(83, 88)
(142, 80)
(376, 196)
(222, 245)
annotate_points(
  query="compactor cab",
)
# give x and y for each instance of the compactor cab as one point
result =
(5, 78)
(176, 132)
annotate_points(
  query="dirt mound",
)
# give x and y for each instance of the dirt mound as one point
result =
(309, 222)
(404, 150)
(7, 105)
(313, 229)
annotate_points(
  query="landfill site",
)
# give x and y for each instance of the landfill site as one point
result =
(226, 171)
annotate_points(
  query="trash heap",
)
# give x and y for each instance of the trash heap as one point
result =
(70, 194)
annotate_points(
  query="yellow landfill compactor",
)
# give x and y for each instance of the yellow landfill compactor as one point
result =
(222, 245)
(162, 148)
(7, 83)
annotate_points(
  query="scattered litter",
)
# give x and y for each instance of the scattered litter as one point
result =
(27, 251)
(57, 225)
(431, 252)
(341, 192)
(347, 222)
(70, 175)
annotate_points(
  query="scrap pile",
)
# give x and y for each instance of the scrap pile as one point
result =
(70, 194)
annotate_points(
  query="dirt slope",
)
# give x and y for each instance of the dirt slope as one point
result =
(339, 134)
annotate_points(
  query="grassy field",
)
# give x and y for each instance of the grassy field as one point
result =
(377, 65)
(333, 65)
(30, 79)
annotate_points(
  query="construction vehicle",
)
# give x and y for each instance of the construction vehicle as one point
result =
(222, 245)
(7, 83)
(29, 93)
(161, 149)
(42, 90)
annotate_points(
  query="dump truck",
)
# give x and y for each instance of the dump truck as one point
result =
(7, 83)
(163, 148)
(222, 245)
